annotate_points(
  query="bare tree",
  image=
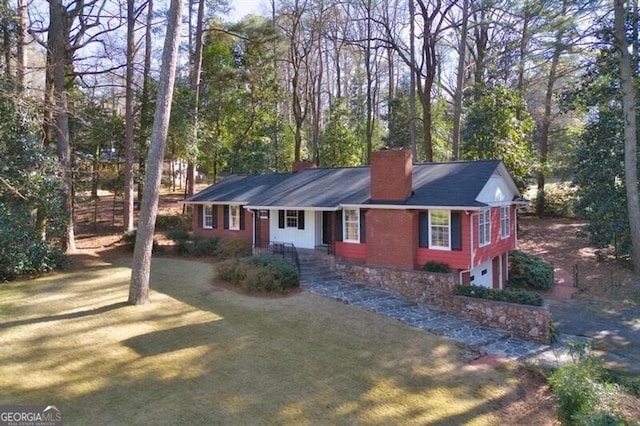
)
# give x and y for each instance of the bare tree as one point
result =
(300, 46)
(460, 73)
(195, 88)
(432, 17)
(21, 42)
(629, 97)
(139, 287)
(59, 28)
(129, 119)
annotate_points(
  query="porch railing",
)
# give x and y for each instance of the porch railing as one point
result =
(286, 251)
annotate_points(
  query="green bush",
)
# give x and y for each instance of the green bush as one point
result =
(165, 222)
(557, 201)
(439, 267)
(583, 394)
(27, 256)
(204, 246)
(510, 296)
(178, 235)
(258, 274)
(234, 247)
(529, 271)
(129, 239)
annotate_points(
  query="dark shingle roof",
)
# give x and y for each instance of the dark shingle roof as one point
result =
(450, 184)
(238, 188)
(455, 184)
(319, 188)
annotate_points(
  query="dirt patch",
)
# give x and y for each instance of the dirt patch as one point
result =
(580, 271)
(532, 403)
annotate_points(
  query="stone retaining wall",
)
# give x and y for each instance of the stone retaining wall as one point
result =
(523, 321)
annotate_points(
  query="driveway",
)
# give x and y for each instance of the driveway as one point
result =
(615, 331)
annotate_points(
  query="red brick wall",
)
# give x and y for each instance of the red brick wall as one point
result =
(391, 237)
(219, 231)
(391, 178)
(351, 251)
(456, 259)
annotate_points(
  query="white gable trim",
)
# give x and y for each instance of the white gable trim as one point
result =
(499, 190)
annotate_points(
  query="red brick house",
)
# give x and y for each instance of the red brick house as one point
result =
(392, 213)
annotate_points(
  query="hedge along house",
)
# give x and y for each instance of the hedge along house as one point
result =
(392, 213)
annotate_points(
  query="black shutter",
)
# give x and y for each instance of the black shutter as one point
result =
(363, 228)
(339, 225)
(300, 219)
(456, 231)
(281, 219)
(241, 217)
(226, 216)
(214, 215)
(423, 229)
(200, 214)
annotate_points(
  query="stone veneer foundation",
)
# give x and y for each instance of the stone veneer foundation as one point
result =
(525, 322)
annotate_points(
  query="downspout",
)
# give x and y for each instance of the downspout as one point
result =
(500, 275)
(253, 231)
(470, 252)
(471, 257)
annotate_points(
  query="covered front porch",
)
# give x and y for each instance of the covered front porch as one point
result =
(302, 228)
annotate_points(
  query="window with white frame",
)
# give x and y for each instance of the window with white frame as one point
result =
(234, 217)
(207, 216)
(351, 219)
(439, 225)
(484, 227)
(505, 221)
(291, 218)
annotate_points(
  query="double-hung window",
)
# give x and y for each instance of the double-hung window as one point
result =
(439, 225)
(291, 218)
(207, 216)
(351, 218)
(505, 221)
(234, 217)
(484, 227)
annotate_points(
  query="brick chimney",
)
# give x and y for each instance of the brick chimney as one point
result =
(391, 178)
(304, 164)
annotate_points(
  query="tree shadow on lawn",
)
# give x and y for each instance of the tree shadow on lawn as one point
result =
(196, 357)
(69, 316)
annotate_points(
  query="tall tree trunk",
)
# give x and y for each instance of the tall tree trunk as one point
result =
(412, 84)
(368, 69)
(21, 43)
(457, 98)
(58, 39)
(129, 120)
(195, 85)
(546, 118)
(6, 39)
(139, 288)
(48, 120)
(630, 130)
(146, 97)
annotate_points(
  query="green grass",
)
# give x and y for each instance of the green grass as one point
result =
(200, 356)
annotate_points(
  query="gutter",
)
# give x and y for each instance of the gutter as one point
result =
(410, 207)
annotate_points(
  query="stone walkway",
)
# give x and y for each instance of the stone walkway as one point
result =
(320, 279)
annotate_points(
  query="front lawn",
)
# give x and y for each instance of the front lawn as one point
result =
(199, 355)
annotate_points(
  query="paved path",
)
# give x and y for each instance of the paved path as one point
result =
(321, 280)
(615, 332)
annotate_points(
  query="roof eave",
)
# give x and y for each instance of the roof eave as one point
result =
(409, 207)
(307, 208)
(217, 202)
